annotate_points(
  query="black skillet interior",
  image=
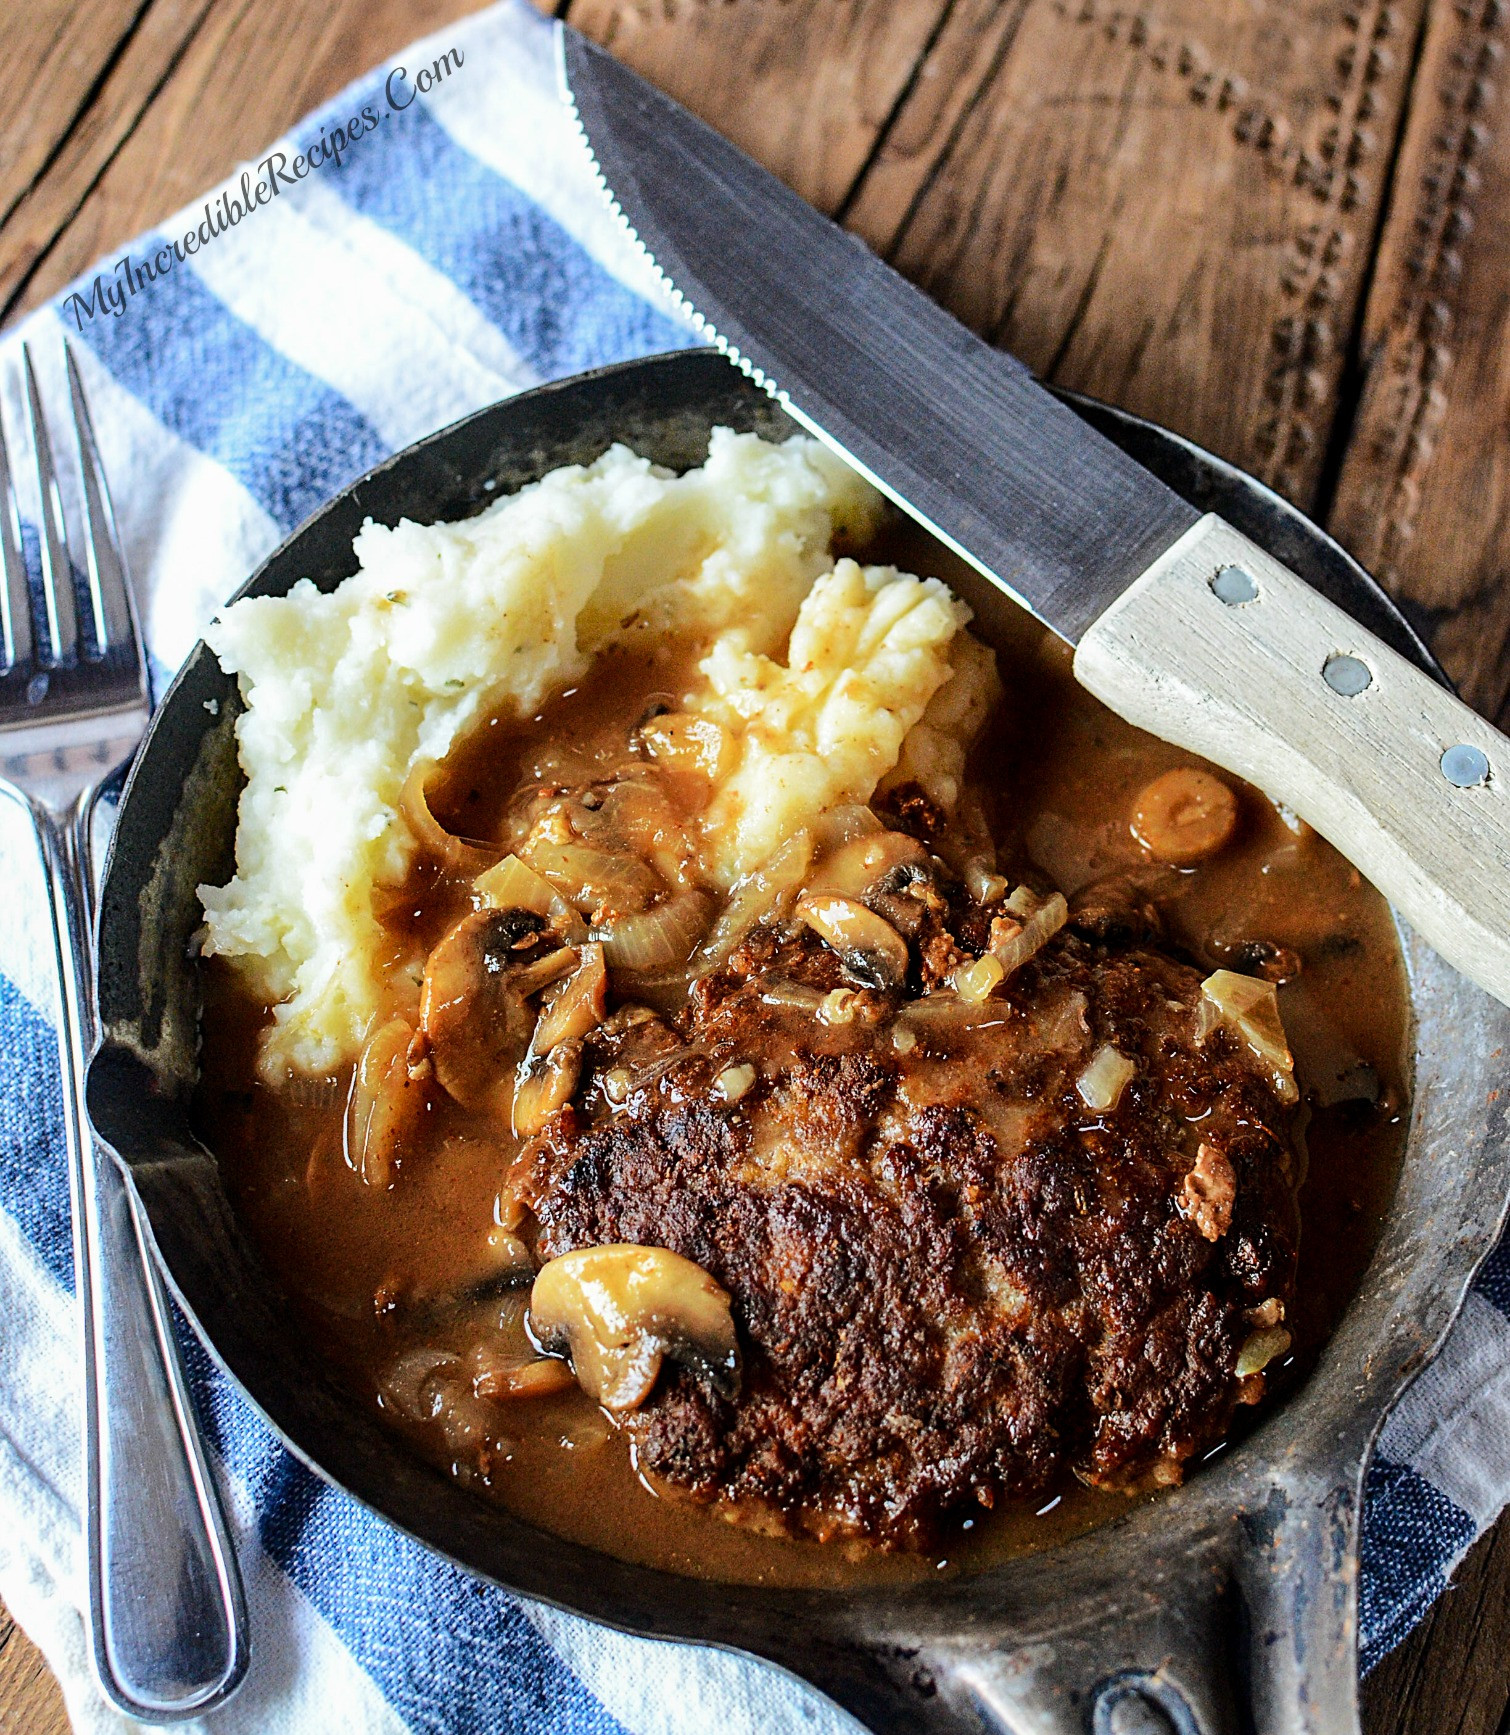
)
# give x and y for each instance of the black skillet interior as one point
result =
(175, 830)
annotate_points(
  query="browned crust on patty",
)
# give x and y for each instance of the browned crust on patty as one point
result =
(952, 1280)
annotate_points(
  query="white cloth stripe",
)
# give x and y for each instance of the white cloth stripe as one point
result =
(518, 126)
(333, 334)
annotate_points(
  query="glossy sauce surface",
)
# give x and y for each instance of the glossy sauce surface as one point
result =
(393, 1281)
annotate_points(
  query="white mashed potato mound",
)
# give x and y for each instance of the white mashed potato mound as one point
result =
(869, 652)
(345, 692)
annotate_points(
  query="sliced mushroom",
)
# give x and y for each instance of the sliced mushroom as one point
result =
(618, 1311)
(859, 865)
(387, 1104)
(472, 1004)
(576, 1005)
(545, 1087)
(515, 1377)
(510, 885)
(869, 948)
(1184, 816)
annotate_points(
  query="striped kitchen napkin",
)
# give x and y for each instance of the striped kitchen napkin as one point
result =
(442, 248)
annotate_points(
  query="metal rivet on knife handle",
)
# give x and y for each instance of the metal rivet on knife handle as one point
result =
(1234, 587)
(1348, 676)
(1465, 767)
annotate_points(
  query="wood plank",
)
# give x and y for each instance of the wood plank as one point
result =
(1423, 498)
(30, 1700)
(1452, 1675)
(256, 66)
(1168, 205)
(40, 211)
(806, 87)
(53, 51)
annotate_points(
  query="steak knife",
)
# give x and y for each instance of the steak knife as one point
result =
(1180, 623)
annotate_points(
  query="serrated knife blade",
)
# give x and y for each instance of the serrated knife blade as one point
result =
(958, 433)
(1182, 624)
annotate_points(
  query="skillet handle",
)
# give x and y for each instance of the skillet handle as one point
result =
(1238, 1617)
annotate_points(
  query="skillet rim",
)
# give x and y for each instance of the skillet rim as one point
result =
(131, 1098)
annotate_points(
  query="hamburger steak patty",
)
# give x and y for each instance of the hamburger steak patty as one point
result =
(952, 1278)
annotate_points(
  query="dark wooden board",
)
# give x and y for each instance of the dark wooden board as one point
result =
(1280, 226)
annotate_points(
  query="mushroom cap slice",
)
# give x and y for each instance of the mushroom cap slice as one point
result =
(472, 1005)
(867, 945)
(619, 1310)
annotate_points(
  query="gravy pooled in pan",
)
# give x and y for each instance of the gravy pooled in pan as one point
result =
(930, 1190)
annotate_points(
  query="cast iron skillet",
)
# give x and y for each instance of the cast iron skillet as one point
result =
(1230, 1604)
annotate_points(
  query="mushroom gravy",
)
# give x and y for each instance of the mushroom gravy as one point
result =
(405, 1277)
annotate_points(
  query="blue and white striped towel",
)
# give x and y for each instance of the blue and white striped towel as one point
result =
(457, 253)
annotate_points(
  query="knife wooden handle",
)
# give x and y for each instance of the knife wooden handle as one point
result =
(1220, 648)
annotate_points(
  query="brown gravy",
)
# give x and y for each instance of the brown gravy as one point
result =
(1057, 774)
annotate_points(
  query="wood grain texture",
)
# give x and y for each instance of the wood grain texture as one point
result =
(1424, 493)
(110, 110)
(805, 86)
(1450, 1677)
(1169, 205)
(55, 51)
(30, 1702)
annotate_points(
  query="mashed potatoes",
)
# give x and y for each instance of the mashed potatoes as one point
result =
(827, 676)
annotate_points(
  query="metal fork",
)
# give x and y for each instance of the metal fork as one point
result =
(167, 1618)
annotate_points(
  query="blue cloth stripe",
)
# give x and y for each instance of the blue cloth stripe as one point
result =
(1493, 1281)
(208, 377)
(559, 309)
(1411, 1531)
(33, 1167)
(449, 1652)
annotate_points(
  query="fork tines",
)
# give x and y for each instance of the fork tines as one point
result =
(49, 638)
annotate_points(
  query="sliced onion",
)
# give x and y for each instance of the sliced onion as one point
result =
(944, 1008)
(688, 743)
(979, 979)
(510, 885)
(592, 878)
(1261, 1349)
(386, 1106)
(305, 1092)
(791, 996)
(1249, 1007)
(983, 882)
(841, 825)
(1013, 950)
(421, 1382)
(458, 854)
(1103, 1081)
(658, 939)
(758, 896)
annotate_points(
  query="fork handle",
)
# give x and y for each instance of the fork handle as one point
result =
(167, 1616)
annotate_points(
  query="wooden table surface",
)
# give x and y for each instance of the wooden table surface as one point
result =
(1279, 226)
